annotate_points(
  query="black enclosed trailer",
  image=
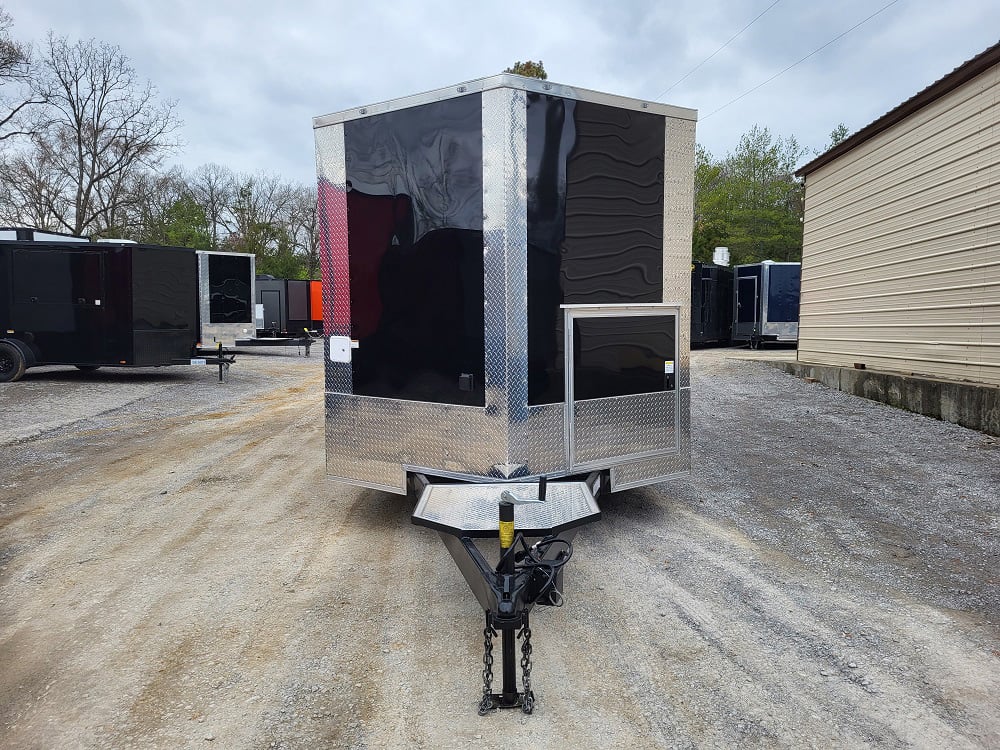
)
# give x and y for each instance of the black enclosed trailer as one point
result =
(766, 302)
(711, 303)
(505, 277)
(226, 297)
(95, 305)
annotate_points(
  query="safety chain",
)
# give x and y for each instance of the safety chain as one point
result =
(528, 702)
(486, 704)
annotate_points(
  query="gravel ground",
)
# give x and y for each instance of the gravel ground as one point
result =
(175, 571)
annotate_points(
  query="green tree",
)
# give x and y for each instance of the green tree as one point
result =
(273, 248)
(528, 68)
(709, 227)
(185, 225)
(750, 201)
(837, 136)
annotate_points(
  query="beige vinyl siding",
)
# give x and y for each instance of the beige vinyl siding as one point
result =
(901, 253)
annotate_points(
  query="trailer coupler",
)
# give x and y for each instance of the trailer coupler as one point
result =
(526, 573)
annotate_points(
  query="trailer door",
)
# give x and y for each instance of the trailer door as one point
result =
(747, 302)
(621, 398)
(59, 298)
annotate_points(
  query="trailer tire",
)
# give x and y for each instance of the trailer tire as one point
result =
(12, 362)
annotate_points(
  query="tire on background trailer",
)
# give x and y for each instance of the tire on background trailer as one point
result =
(12, 362)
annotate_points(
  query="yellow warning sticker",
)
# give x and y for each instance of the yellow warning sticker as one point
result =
(506, 534)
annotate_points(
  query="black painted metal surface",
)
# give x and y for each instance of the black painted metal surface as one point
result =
(622, 356)
(415, 228)
(87, 304)
(711, 303)
(595, 220)
(229, 289)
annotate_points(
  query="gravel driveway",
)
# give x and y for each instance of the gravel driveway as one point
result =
(175, 571)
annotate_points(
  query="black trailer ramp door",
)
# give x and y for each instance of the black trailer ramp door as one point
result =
(621, 386)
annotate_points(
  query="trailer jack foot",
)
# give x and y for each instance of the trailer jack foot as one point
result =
(510, 697)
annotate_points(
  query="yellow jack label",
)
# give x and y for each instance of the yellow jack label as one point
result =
(506, 534)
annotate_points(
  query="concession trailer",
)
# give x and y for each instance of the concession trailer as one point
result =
(95, 305)
(506, 278)
(766, 302)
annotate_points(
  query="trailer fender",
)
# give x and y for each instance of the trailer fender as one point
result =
(15, 358)
(30, 358)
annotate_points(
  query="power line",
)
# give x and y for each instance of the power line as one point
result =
(820, 49)
(720, 49)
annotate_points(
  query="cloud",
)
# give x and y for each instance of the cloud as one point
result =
(249, 76)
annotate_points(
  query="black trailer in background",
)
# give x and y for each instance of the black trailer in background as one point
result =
(226, 305)
(284, 313)
(766, 302)
(288, 306)
(29, 234)
(711, 303)
(95, 305)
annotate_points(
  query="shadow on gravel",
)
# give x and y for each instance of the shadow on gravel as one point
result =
(109, 375)
(375, 510)
(642, 506)
(278, 351)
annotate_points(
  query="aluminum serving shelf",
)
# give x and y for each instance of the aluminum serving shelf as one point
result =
(472, 510)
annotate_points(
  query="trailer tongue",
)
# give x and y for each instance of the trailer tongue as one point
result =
(525, 575)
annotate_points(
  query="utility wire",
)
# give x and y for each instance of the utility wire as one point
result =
(720, 49)
(820, 49)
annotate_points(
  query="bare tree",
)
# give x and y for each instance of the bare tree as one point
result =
(16, 97)
(212, 186)
(32, 192)
(304, 227)
(100, 127)
(258, 205)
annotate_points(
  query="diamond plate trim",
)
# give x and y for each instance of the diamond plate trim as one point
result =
(331, 166)
(505, 239)
(658, 469)
(678, 216)
(607, 428)
(542, 439)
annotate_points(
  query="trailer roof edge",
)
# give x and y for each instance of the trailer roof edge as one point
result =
(511, 81)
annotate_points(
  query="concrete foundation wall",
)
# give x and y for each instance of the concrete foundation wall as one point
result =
(968, 404)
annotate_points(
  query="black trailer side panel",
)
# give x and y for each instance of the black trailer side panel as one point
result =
(415, 221)
(59, 303)
(229, 289)
(298, 306)
(783, 293)
(595, 221)
(88, 304)
(165, 304)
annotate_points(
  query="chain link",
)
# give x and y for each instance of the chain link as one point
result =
(486, 704)
(528, 702)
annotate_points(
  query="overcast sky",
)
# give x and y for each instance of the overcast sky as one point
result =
(249, 76)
